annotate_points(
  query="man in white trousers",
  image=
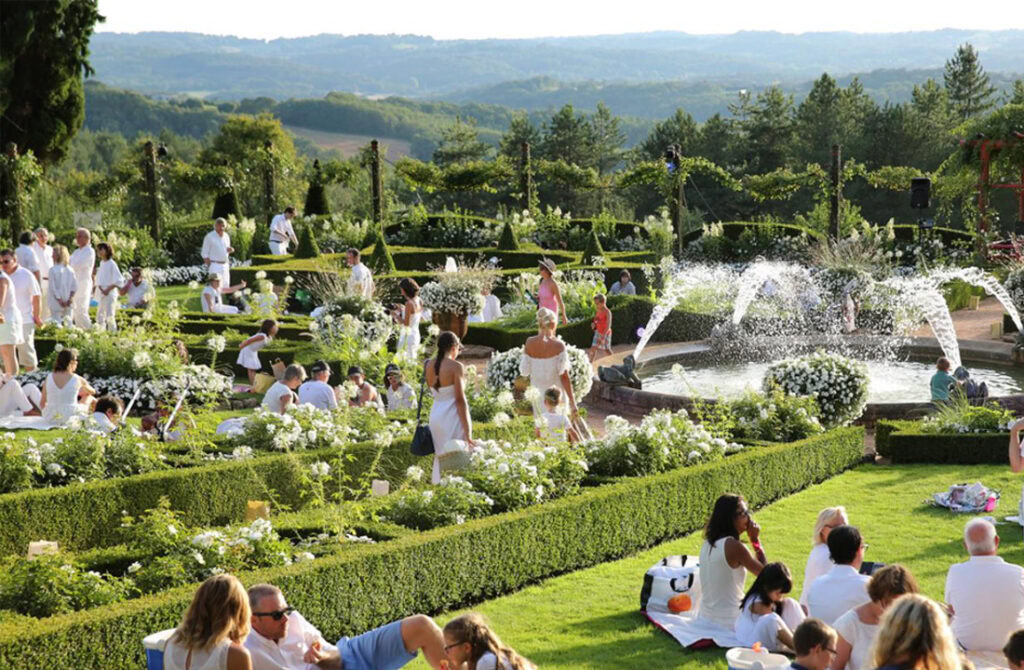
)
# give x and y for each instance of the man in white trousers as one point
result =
(217, 251)
(44, 254)
(83, 264)
(281, 232)
(26, 294)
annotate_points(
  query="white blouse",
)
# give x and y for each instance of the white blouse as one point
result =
(818, 563)
(109, 275)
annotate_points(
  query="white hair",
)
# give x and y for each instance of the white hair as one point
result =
(221, 220)
(824, 517)
(986, 543)
(88, 233)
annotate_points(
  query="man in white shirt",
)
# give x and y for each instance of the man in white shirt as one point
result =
(216, 252)
(83, 264)
(316, 391)
(843, 587)
(44, 255)
(26, 256)
(281, 232)
(137, 289)
(282, 639)
(361, 281)
(986, 593)
(399, 394)
(106, 414)
(26, 294)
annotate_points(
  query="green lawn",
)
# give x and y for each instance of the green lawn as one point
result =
(188, 300)
(590, 618)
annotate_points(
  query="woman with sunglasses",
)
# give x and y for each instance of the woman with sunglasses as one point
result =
(818, 562)
(213, 630)
(470, 644)
(449, 416)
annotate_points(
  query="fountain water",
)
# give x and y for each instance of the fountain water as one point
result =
(978, 277)
(923, 296)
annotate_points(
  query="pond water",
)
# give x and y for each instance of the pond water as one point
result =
(889, 381)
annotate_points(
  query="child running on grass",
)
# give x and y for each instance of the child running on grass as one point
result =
(602, 325)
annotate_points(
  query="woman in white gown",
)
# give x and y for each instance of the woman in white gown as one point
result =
(545, 361)
(108, 287)
(212, 633)
(412, 312)
(11, 334)
(63, 390)
(449, 417)
(62, 286)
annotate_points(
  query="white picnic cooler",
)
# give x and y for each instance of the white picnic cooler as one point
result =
(743, 658)
(154, 645)
(673, 577)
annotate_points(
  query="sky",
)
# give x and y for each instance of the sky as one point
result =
(476, 19)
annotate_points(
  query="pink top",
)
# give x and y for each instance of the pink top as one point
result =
(546, 297)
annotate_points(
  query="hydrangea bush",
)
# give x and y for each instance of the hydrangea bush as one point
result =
(838, 384)
(503, 370)
(451, 294)
(775, 416)
(306, 427)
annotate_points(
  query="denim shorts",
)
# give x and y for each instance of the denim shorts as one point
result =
(379, 649)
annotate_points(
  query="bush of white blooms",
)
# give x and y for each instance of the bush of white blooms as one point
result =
(662, 441)
(838, 384)
(306, 427)
(183, 274)
(503, 369)
(453, 294)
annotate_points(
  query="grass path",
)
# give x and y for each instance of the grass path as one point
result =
(589, 619)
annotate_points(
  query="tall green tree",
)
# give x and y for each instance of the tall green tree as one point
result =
(967, 83)
(520, 129)
(44, 53)
(1016, 94)
(768, 131)
(679, 129)
(607, 137)
(569, 136)
(460, 143)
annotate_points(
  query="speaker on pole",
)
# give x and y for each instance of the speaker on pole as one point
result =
(920, 193)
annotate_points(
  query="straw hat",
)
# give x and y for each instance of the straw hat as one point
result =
(547, 264)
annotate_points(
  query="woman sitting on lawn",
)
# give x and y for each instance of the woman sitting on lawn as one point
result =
(914, 634)
(818, 562)
(858, 628)
(471, 645)
(767, 615)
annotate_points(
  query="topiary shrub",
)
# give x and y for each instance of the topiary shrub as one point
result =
(226, 204)
(838, 384)
(508, 241)
(593, 249)
(316, 201)
(380, 260)
(308, 248)
(261, 239)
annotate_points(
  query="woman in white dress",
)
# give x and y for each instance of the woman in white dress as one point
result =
(767, 616)
(11, 334)
(62, 287)
(63, 390)
(545, 361)
(248, 353)
(858, 627)
(412, 312)
(212, 633)
(108, 286)
(819, 562)
(470, 642)
(449, 417)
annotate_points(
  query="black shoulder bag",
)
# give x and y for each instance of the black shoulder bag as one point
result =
(422, 440)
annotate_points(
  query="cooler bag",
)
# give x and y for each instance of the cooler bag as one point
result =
(672, 585)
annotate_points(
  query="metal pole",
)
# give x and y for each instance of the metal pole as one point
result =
(375, 183)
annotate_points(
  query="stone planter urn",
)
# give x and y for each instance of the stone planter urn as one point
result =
(457, 323)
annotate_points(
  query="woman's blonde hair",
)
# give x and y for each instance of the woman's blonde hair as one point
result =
(546, 318)
(824, 516)
(473, 629)
(914, 633)
(62, 254)
(219, 611)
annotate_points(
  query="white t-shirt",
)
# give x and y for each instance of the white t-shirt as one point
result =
(272, 398)
(102, 423)
(210, 299)
(490, 662)
(281, 229)
(556, 427)
(25, 286)
(215, 247)
(840, 589)
(83, 260)
(109, 275)
(987, 595)
(137, 293)
(44, 256)
(860, 637)
(318, 394)
(27, 258)
(403, 398)
(361, 281)
(818, 563)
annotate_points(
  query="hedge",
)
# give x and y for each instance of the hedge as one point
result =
(450, 567)
(904, 442)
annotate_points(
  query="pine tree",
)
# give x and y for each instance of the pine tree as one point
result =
(519, 130)
(593, 249)
(460, 143)
(316, 196)
(226, 204)
(1016, 94)
(967, 83)
(308, 248)
(608, 138)
(508, 241)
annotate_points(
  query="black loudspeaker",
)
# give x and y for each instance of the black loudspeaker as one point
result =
(920, 193)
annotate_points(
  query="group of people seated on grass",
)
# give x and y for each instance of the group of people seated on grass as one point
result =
(865, 603)
(227, 628)
(945, 386)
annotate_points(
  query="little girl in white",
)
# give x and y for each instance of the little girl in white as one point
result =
(248, 357)
(108, 284)
(554, 424)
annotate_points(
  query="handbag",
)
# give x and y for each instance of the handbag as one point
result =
(453, 455)
(422, 440)
(262, 382)
(278, 367)
(672, 586)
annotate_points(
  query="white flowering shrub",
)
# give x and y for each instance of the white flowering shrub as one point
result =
(518, 476)
(1014, 285)
(55, 584)
(774, 417)
(306, 427)
(578, 288)
(662, 441)
(503, 370)
(183, 274)
(485, 402)
(451, 293)
(838, 384)
(453, 501)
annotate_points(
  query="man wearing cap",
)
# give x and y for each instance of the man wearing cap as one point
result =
(399, 394)
(366, 393)
(216, 249)
(316, 391)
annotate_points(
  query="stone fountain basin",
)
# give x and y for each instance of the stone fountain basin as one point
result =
(990, 354)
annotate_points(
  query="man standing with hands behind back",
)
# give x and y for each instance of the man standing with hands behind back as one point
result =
(83, 264)
(216, 252)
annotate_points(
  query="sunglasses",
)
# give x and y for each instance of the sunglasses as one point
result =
(276, 615)
(454, 644)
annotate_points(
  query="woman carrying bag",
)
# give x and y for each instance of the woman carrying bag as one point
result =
(449, 416)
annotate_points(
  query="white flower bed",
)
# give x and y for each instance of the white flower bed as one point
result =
(838, 384)
(183, 274)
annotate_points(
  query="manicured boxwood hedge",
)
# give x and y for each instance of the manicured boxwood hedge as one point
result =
(903, 442)
(418, 259)
(448, 567)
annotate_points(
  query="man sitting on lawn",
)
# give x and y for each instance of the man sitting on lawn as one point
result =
(316, 391)
(282, 639)
(843, 587)
(986, 593)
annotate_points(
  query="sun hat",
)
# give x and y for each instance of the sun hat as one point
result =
(547, 264)
(392, 369)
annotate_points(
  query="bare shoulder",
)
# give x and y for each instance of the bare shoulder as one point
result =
(238, 657)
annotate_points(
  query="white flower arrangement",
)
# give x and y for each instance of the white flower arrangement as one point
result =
(452, 295)
(838, 384)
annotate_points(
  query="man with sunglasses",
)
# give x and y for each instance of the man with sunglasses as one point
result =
(282, 639)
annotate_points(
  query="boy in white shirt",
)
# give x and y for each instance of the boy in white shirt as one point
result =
(107, 414)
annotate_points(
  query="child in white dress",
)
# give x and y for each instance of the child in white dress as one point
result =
(108, 285)
(554, 426)
(766, 614)
(62, 287)
(248, 356)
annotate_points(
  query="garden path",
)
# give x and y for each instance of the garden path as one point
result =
(973, 324)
